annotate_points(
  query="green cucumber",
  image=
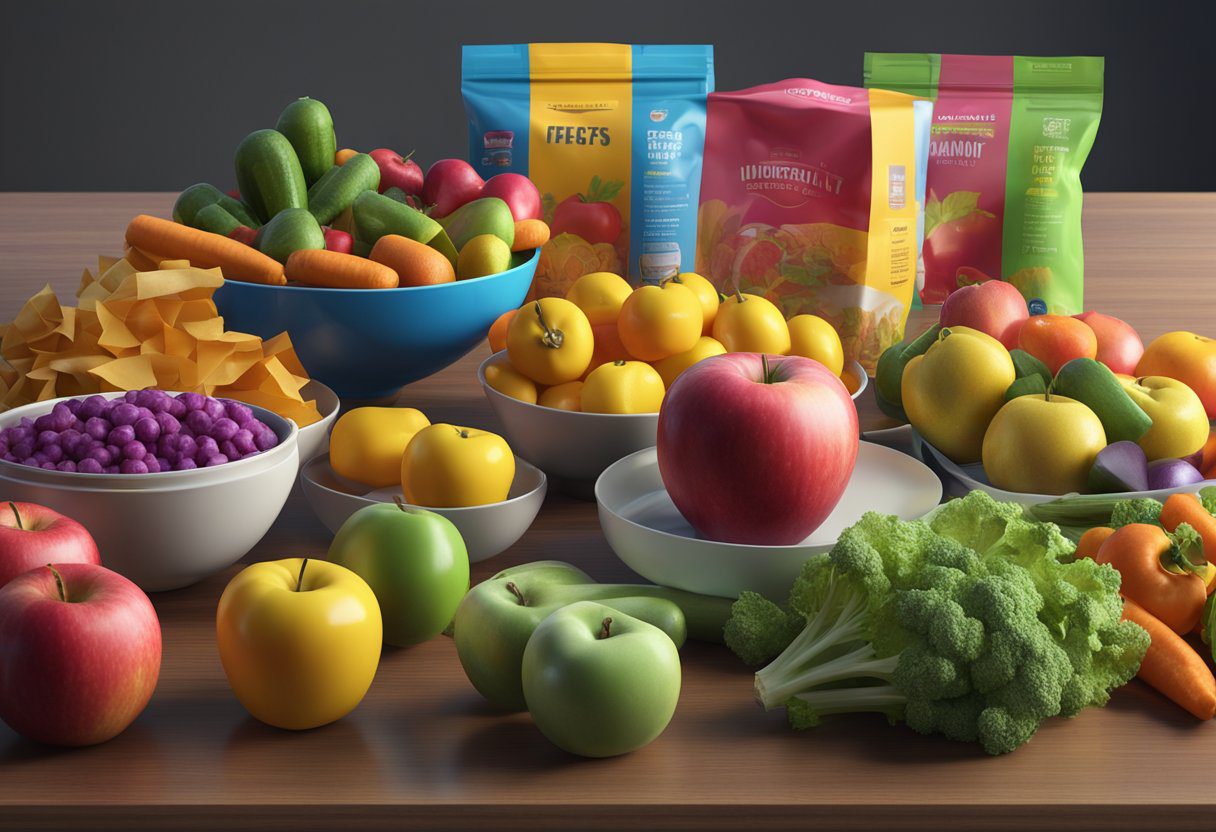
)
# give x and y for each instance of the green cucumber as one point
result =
(377, 215)
(1025, 364)
(199, 196)
(215, 219)
(889, 372)
(1030, 385)
(1094, 385)
(325, 177)
(268, 174)
(360, 173)
(292, 229)
(309, 127)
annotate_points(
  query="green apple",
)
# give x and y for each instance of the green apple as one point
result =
(1042, 445)
(599, 683)
(495, 620)
(415, 562)
(1095, 386)
(1180, 424)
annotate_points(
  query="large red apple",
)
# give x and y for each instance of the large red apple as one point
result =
(397, 171)
(450, 183)
(79, 653)
(993, 307)
(521, 196)
(756, 449)
(1119, 345)
(33, 535)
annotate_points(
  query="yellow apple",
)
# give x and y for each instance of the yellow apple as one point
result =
(1042, 444)
(1180, 423)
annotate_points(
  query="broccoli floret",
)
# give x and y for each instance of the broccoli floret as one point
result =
(1207, 496)
(1139, 510)
(977, 625)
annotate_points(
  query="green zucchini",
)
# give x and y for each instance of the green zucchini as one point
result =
(268, 174)
(359, 173)
(196, 197)
(292, 229)
(215, 219)
(309, 127)
(377, 215)
(320, 183)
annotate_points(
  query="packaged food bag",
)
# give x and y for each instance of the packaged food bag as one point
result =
(808, 198)
(1010, 136)
(922, 112)
(611, 134)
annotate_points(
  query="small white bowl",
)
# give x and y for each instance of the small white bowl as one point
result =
(487, 530)
(960, 479)
(314, 438)
(572, 448)
(649, 534)
(170, 529)
(855, 369)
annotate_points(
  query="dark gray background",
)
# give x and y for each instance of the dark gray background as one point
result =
(155, 95)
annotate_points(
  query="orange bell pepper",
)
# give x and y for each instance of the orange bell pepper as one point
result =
(1158, 572)
(1186, 508)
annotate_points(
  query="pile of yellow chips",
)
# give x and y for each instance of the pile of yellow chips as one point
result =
(135, 329)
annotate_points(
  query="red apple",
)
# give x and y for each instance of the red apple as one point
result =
(518, 192)
(33, 535)
(756, 449)
(79, 653)
(397, 171)
(339, 241)
(1119, 345)
(993, 307)
(449, 184)
(243, 234)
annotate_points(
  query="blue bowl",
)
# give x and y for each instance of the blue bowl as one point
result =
(368, 343)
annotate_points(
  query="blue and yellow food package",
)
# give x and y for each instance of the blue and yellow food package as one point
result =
(612, 135)
(922, 116)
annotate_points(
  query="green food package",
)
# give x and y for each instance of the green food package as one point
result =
(1010, 135)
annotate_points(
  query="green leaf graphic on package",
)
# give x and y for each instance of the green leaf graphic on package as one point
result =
(591, 215)
(956, 207)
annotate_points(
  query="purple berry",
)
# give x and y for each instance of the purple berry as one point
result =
(74, 405)
(133, 466)
(131, 396)
(134, 450)
(91, 407)
(89, 466)
(223, 428)
(185, 464)
(214, 408)
(49, 466)
(124, 414)
(237, 412)
(30, 461)
(24, 448)
(151, 464)
(192, 401)
(44, 422)
(111, 469)
(147, 429)
(229, 450)
(46, 437)
(214, 460)
(121, 435)
(243, 442)
(168, 423)
(199, 422)
(164, 463)
(53, 453)
(187, 447)
(102, 456)
(67, 465)
(265, 438)
(97, 427)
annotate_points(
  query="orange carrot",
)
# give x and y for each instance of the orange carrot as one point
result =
(335, 270)
(530, 234)
(1092, 540)
(342, 155)
(204, 249)
(1172, 667)
(498, 330)
(415, 263)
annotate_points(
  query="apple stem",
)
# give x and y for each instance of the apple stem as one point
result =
(941, 336)
(463, 433)
(400, 503)
(552, 338)
(300, 577)
(767, 372)
(519, 596)
(739, 295)
(63, 590)
(606, 628)
(16, 515)
(1051, 386)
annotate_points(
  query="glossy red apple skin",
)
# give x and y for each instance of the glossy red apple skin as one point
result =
(993, 307)
(751, 462)
(450, 183)
(80, 672)
(47, 537)
(1119, 345)
(397, 171)
(521, 196)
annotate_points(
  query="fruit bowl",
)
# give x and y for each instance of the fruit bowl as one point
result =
(314, 438)
(487, 530)
(648, 533)
(171, 529)
(368, 343)
(959, 479)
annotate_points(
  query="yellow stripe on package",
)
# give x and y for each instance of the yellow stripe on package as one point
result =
(611, 134)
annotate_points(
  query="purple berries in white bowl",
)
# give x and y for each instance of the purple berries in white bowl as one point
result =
(139, 432)
(190, 511)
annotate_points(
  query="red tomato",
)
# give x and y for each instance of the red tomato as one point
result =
(338, 241)
(595, 222)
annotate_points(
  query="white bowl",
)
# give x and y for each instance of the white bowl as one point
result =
(960, 479)
(650, 535)
(855, 369)
(487, 530)
(170, 529)
(314, 438)
(572, 448)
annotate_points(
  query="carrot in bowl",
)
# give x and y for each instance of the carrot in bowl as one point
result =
(530, 234)
(1172, 667)
(336, 270)
(204, 250)
(415, 263)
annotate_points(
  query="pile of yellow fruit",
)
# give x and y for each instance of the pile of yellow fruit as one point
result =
(609, 348)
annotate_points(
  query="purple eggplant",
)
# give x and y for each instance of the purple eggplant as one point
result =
(1172, 473)
(1119, 467)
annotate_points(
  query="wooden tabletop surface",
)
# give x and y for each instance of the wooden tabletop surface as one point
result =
(424, 750)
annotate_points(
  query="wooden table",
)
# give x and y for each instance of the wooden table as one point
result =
(424, 751)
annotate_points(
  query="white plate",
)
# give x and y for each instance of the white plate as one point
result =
(959, 479)
(314, 438)
(650, 535)
(487, 530)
